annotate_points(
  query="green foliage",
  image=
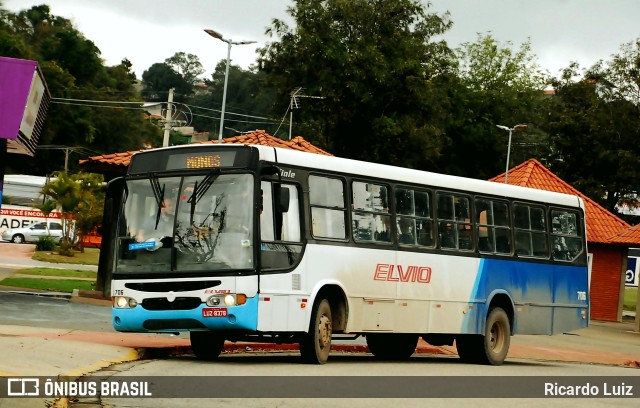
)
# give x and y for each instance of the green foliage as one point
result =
(186, 65)
(72, 68)
(495, 85)
(67, 273)
(376, 64)
(594, 132)
(57, 285)
(89, 256)
(393, 93)
(45, 243)
(80, 199)
(247, 93)
(159, 78)
(630, 298)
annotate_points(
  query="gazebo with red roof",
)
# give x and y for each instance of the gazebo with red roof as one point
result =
(608, 237)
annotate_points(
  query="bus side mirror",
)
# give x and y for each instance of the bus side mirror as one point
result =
(270, 170)
(283, 200)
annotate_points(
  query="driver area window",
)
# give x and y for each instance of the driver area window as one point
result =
(280, 227)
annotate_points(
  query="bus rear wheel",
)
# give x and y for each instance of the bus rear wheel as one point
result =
(206, 345)
(392, 346)
(492, 348)
(316, 344)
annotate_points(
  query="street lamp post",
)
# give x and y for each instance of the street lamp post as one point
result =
(517, 128)
(229, 42)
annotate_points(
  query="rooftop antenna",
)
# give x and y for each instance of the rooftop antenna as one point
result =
(294, 103)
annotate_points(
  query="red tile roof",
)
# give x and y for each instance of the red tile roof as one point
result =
(118, 162)
(603, 227)
(630, 236)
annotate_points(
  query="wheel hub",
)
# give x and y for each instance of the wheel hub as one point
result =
(324, 331)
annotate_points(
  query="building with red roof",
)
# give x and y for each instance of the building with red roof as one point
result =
(608, 237)
(115, 164)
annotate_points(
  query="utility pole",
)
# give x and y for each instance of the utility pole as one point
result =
(167, 120)
(66, 160)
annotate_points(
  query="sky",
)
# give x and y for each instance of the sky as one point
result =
(150, 31)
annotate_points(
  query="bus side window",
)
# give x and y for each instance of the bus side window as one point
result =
(530, 230)
(414, 218)
(566, 239)
(492, 224)
(280, 228)
(371, 215)
(454, 222)
(280, 216)
(328, 212)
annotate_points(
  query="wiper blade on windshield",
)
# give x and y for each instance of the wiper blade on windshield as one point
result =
(199, 191)
(158, 193)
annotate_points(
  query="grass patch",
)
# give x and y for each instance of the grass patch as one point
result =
(630, 298)
(57, 272)
(57, 285)
(89, 257)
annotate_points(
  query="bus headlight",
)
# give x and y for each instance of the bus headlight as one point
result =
(229, 299)
(124, 302)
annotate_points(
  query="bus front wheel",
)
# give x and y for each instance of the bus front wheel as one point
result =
(206, 345)
(492, 348)
(316, 344)
(392, 346)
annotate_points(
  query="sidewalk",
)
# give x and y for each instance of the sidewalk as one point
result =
(48, 352)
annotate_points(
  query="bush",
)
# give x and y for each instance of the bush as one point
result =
(45, 243)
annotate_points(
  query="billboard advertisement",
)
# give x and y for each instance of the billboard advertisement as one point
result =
(24, 99)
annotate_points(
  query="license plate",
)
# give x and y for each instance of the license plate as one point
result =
(214, 312)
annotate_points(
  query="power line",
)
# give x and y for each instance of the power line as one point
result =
(95, 104)
(89, 105)
(97, 101)
(236, 120)
(227, 112)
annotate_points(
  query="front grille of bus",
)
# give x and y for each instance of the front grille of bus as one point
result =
(172, 324)
(180, 286)
(181, 303)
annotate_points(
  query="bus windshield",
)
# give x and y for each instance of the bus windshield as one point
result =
(186, 223)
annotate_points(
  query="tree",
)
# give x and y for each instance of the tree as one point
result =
(495, 85)
(64, 190)
(80, 199)
(623, 73)
(186, 65)
(594, 131)
(161, 77)
(377, 66)
(88, 215)
(247, 93)
(73, 69)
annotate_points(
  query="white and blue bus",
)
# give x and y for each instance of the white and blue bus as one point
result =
(275, 245)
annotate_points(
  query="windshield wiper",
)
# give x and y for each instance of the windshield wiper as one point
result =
(158, 193)
(199, 191)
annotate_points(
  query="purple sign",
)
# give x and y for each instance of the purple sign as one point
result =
(16, 77)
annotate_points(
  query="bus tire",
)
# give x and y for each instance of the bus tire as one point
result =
(316, 344)
(206, 345)
(392, 346)
(492, 348)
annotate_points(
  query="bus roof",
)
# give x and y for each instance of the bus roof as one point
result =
(401, 174)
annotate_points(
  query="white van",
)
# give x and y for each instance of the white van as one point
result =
(33, 232)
